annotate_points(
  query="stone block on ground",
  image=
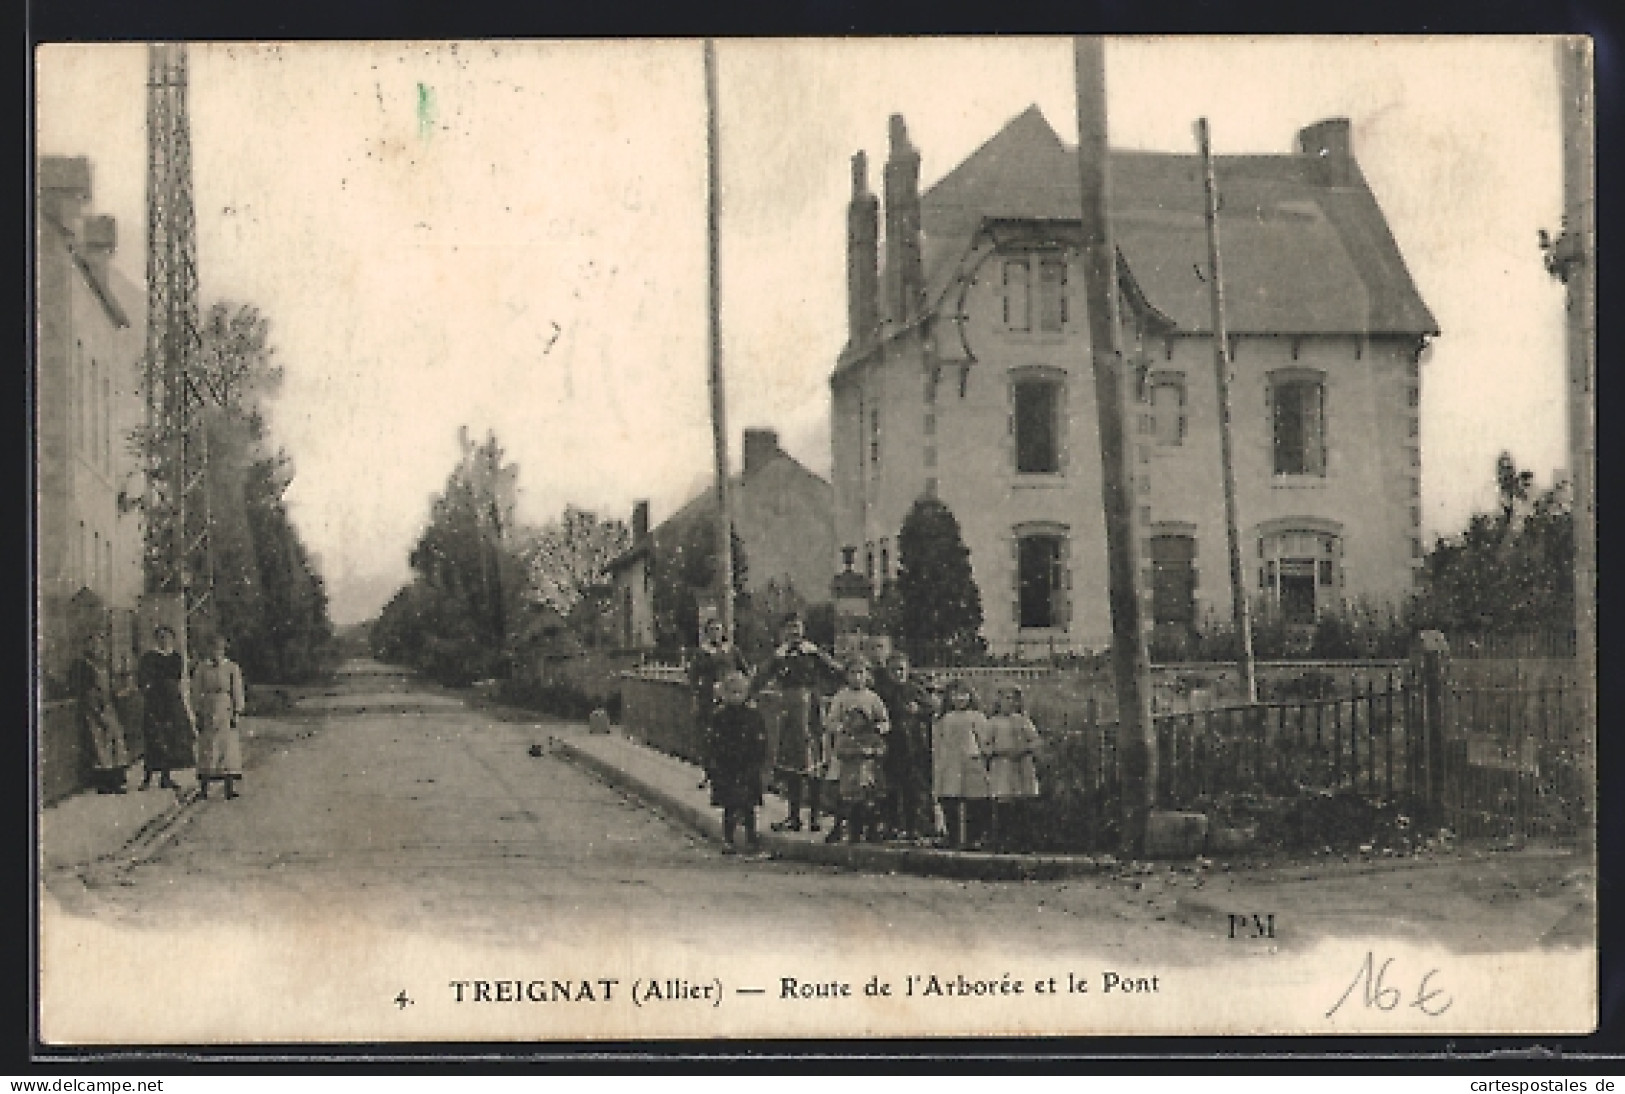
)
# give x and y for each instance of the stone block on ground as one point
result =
(1174, 835)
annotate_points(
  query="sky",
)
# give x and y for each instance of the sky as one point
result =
(510, 235)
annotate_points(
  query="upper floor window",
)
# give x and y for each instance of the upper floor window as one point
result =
(1047, 310)
(1168, 408)
(1017, 301)
(1298, 415)
(874, 437)
(1052, 302)
(1038, 449)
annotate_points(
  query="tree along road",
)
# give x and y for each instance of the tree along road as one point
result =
(384, 799)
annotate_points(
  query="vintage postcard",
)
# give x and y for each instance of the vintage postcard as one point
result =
(633, 540)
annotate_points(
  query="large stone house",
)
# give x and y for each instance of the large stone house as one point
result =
(87, 404)
(967, 375)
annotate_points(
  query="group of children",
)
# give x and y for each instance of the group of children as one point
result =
(899, 761)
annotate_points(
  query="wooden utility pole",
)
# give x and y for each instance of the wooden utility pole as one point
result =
(1240, 616)
(719, 421)
(1137, 745)
(1571, 258)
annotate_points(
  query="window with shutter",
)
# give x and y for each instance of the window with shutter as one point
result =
(1041, 581)
(1297, 408)
(1036, 427)
(1052, 294)
(1168, 409)
(1017, 306)
(1173, 579)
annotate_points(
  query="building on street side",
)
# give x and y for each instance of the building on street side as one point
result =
(966, 376)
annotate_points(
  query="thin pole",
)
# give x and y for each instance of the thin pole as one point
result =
(1576, 85)
(1241, 616)
(719, 423)
(1137, 743)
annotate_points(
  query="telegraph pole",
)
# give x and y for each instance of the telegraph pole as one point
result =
(1137, 745)
(719, 422)
(1241, 617)
(1571, 258)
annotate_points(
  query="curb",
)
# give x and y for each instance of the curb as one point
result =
(867, 858)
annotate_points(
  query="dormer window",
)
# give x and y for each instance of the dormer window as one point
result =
(1047, 311)
(1017, 301)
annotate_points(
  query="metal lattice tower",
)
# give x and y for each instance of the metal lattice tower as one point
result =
(179, 561)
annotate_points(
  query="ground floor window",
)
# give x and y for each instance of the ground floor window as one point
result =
(1173, 579)
(1041, 581)
(1301, 573)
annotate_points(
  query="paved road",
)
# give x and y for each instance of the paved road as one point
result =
(388, 801)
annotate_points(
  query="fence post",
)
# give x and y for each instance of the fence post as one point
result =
(1431, 658)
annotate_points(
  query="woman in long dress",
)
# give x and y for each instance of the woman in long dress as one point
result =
(217, 684)
(168, 733)
(98, 720)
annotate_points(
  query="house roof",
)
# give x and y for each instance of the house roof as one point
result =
(706, 499)
(1301, 256)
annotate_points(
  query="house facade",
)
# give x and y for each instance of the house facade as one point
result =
(88, 403)
(967, 376)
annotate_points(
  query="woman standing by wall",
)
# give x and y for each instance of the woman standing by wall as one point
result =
(98, 721)
(169, 734)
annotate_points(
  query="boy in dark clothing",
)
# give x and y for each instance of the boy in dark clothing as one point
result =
(715, 658)
(908, 746)
(739, 740)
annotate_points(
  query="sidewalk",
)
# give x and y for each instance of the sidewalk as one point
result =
(86, 827)
(672, 786)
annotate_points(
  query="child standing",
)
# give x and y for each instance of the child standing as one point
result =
(1012, 774)
(858, 727)
(739, 744)
(958, 775)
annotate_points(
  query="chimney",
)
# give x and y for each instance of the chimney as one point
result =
(640, 523)
(905, 269)
(99, 242)
(1331, 144)
(761, 447)
(862, 255)
(64, 183)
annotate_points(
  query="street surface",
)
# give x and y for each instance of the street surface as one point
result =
(383, 800)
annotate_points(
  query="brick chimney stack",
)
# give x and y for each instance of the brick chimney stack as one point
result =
(761, 448)
(1330, 142)
(99, 242)
(64, 183)
(640, 523)
(862, 256)
(905, 267)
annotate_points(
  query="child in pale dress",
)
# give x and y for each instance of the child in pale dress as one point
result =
(958, 774)
(1012, 771)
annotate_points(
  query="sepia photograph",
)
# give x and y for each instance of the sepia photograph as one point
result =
(630, 540)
